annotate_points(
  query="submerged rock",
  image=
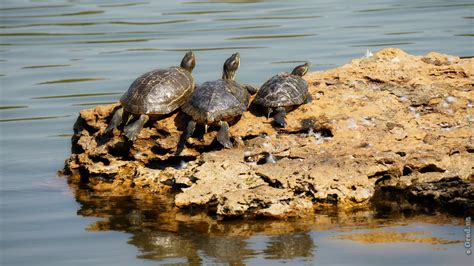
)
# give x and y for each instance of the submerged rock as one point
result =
(392, 130)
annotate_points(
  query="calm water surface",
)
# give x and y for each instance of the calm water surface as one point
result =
(58, 57)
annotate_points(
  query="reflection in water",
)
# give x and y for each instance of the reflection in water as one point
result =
(393, 236)
(162, 232)
(290, 246)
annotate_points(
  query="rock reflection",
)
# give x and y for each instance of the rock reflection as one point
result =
(162, 232)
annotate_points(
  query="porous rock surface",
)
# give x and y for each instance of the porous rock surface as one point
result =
(393, 130)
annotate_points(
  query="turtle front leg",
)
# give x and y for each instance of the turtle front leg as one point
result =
(115, 121)
(223, 136)
(132, 130)
(185, 136)
(279, 117)
(309, 98)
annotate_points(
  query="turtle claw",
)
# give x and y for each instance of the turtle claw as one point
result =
(223, 136)
(269, 112)
(279, 117)
(129, 118)
(131, 131)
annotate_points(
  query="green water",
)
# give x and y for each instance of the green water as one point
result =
(58, 57)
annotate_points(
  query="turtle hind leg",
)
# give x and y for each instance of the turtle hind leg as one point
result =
(223, 136)
(309, 98)
(279, 117)
(132, 130)
(116, 120)
(185, 136)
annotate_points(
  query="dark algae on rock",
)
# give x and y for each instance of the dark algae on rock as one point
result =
(392, 131)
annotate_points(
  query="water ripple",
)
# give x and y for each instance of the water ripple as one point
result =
(13, 107)
(382, 44)
(93, 103)
(202, 12)
(203, 49)
(32, 118)
(43, 66)
(276, 36)
(149, 22)
(110, 41)
(11, 34)
(226, 2)
(268, 18)
(402, 33)
(77, 95)
(85, 23)
(70, 80)
(124, 4)
(447, 5)
(376, 9)
(31, 7)
(360, 26)
(81, 13)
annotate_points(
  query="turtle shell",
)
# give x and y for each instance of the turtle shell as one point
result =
(217, 100)
(282, 90)
(160, 91)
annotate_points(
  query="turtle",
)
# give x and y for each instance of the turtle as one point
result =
(154, 94)
(284, 92)
(217, 102)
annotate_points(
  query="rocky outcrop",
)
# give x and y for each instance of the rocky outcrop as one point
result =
(393, 131)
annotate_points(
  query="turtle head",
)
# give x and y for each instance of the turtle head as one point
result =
(189, 61)
(301, 70)
(230, 66)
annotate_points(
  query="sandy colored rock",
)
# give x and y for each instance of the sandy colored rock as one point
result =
(393, 129)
